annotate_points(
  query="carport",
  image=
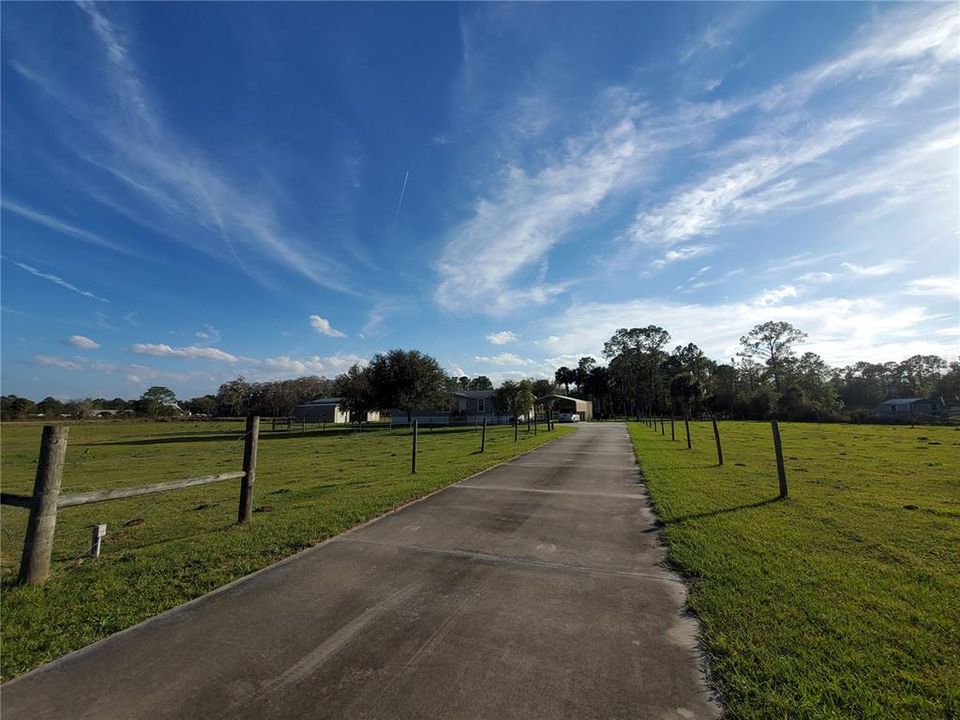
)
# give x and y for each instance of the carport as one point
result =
(564, 403)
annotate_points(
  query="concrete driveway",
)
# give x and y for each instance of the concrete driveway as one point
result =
(532, 590)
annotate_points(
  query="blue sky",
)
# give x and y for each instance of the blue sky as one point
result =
(196, 191)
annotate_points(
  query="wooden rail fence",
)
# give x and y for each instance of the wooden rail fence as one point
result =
(47, 499)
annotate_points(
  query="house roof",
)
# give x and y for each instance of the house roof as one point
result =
(474, 393)
(325, 401)
(561, 397)
(903, 401)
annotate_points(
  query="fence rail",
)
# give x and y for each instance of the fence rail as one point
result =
(95, 496)
(47, 499)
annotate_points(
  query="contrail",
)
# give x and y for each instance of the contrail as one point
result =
(403, 189)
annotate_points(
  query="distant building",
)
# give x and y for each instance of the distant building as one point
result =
(465, 407)
(328, 410)
(906, 407)
(473, 402)
(565, 404)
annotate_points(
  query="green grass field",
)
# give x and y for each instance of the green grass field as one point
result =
(842, 601)
(162, 550)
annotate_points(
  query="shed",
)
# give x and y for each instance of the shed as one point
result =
(905, 407)
(328, 410)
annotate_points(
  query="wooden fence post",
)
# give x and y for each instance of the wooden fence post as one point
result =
(781, 470)
(686, 422)
(483, 436)
(413, 455)
(251, 441)
(716, 436)
(38, 543)
(673, 435)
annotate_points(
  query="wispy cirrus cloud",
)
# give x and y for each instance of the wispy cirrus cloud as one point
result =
(783, 165)
(57, 280)
(63, 227)
(76, 364)
(57, 362)
(887, 268)
(938, 285)
(166, 184)
(761, 154)
(512, 231)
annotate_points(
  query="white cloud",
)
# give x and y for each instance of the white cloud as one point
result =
(502, 338)
(504, 358)
(286, 366)
(82, 342)
(887, 268)
(773, 297)
(687, 252)
(945, 285)
(191, 352)
(56, 280)
(322, 326)
(551, 340)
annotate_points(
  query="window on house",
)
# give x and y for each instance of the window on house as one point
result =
(480, 405)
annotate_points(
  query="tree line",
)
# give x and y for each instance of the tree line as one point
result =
(769, 378)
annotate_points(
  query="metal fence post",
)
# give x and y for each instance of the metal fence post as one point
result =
(781, 470)
(38, 543)
(483, 436)
(413, 455)
(251, 441)
(686, 422)
(673, 434)
(716, 436)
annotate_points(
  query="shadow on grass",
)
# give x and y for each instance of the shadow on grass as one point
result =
(712, 513)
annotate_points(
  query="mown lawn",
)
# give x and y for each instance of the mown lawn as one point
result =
(842, 601)
(162, 550)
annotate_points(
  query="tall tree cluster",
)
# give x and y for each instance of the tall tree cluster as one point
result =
(770, 377)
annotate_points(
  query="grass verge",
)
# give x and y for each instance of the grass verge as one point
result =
(163, 550)
(842, 601)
